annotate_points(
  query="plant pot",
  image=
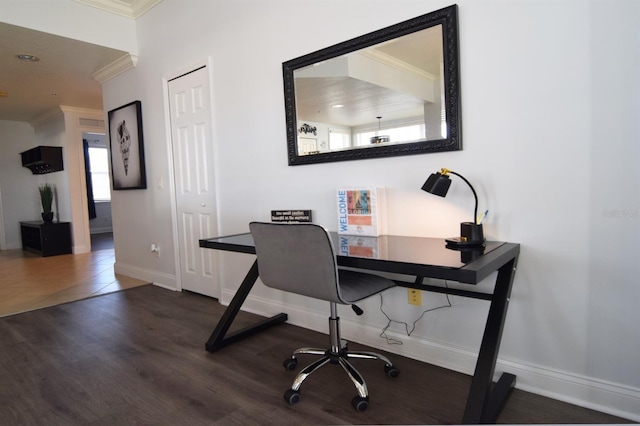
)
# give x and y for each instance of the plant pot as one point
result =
(47, 217)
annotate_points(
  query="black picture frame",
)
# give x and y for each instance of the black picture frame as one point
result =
(126, 147)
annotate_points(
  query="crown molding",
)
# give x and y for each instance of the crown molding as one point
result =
(62, 111)
(49, 115)
(117, 67)
(84, 112)
(129, 8)
(396, 63)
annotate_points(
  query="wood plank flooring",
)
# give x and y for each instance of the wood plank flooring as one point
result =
(137, 357)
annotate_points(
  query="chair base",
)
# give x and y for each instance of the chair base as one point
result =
(341, 357)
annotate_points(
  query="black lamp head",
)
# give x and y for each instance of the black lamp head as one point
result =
(438, 183)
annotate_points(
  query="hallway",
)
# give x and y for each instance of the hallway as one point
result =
(29, 282)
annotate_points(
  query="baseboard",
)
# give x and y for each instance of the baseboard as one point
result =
(600, 395)
(160, 279)
(588, 392)
(80, 249)
(101, 230)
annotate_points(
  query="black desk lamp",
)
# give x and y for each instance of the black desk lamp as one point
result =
(470, 232)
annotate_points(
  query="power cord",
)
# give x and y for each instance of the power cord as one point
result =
(391, 340)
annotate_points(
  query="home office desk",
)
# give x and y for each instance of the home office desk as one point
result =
(419, 258)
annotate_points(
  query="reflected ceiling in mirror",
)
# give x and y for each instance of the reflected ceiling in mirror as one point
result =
(390, 92)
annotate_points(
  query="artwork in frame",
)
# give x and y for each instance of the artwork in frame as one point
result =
(126, 147)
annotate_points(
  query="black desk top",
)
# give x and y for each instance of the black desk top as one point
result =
(417, 256)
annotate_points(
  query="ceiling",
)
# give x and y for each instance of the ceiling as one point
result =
(67, 72)
(390, 87)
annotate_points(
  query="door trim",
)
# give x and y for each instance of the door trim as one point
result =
(2, 237)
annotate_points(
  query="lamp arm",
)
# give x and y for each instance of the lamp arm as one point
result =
(475, 212)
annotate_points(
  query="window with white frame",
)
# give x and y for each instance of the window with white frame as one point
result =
(99, 168)
(409, 132)
(339, 139)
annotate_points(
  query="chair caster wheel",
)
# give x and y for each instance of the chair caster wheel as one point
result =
(360, 403)
(292, 396)
(391, 371)
(290, 363)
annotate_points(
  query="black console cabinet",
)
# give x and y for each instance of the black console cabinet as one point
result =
(46, 239)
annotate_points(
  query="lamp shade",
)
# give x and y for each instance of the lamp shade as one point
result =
(437, 184)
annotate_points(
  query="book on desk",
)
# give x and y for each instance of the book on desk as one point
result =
(361, 211)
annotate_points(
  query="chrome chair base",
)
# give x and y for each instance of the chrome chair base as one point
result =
(337, 354)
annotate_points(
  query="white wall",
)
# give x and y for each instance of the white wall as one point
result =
(613, 205)
(20, 199)
(549, 100)
(51, 132)
(102, 222)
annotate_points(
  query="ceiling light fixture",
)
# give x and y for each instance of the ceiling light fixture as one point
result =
(27, 58)
(379, 138)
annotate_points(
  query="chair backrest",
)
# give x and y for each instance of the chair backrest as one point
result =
(298, 258)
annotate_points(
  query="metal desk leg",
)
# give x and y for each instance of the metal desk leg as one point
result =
(218, 339)
(486, 400)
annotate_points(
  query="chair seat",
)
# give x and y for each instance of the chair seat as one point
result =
(355, 286)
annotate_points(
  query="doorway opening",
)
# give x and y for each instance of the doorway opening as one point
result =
(98, 190)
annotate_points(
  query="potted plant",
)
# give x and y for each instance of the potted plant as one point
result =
(46, 199)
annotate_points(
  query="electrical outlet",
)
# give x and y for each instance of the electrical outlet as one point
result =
(415, 297)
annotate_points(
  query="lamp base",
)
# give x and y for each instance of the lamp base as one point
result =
(471, 235)
(468, 253)
(460, 243)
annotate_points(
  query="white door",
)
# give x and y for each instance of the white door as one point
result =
(190, 108)
(307, 145)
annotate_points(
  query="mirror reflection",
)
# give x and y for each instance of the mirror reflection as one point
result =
(390, 92)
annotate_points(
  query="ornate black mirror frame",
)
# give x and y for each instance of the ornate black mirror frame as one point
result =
(448, 18)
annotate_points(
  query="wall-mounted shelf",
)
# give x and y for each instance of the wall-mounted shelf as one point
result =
(43, 159)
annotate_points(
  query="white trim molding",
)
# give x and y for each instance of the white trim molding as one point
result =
(128, 8)
(117, 67)
(160, 279)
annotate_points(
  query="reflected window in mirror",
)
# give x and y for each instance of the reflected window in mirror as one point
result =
(339, 139)
(391, 92)
(401, 134)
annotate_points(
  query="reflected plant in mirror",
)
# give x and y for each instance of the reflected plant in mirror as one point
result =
(392, 92)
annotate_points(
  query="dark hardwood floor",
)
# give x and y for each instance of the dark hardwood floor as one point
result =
(138, 357)
(102, 241)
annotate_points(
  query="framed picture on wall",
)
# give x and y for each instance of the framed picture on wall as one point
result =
(126, 147)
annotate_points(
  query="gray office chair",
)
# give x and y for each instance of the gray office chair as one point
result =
(299, 258)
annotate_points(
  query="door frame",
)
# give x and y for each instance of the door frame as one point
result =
(207, 64)
(75, 128)
(2, 237)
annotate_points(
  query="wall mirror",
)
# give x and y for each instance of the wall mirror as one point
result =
(395, 91)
